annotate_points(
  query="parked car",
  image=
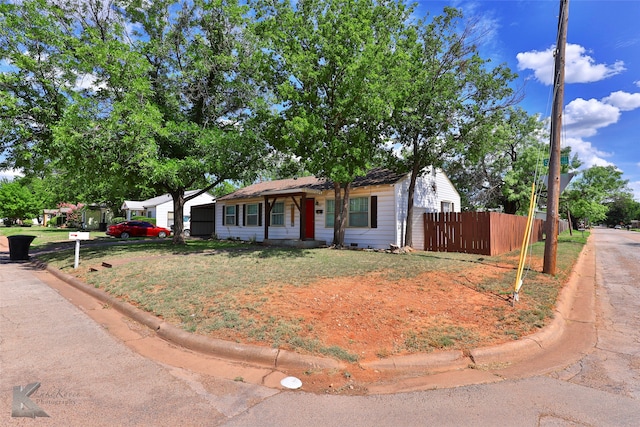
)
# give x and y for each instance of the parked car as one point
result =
(128, 229)
(186, 226)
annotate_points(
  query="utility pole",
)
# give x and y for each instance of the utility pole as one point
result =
(553, 190)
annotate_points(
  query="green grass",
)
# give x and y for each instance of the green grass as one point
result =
(44, 235)
(440, 337)
(200, 286)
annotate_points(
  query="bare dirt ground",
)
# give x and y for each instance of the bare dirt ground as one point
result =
(371, 317)
(374, 318)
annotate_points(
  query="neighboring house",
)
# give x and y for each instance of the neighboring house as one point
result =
(49, 214)
(161, 208)
(94, 216)
(303, 209)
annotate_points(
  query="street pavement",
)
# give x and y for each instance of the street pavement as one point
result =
(61, 356)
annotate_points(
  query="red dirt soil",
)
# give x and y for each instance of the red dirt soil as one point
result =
(370, 317)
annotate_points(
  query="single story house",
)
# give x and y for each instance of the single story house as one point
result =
(94, 216)
(303, 209)
(161, 208)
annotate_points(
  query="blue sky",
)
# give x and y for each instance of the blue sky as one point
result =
(602, 91)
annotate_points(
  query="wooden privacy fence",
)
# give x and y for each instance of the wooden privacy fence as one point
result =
(483, 233)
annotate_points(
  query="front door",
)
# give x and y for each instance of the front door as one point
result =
(309, 219)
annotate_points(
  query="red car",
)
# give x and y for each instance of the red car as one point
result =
(137, 229)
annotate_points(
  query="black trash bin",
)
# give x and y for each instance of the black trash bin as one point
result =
(102, 226)
(19, 247)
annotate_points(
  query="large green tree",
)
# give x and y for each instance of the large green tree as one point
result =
(588, 196)
(328, 65)
(18, 202)
(443, 93)
(37, 83)
(169, 101)
(622, 210)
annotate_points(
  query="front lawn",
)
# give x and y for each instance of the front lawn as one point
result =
(349, 304)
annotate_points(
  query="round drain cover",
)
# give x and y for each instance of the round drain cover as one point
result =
(291, 382)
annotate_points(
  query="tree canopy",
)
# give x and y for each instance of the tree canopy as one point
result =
(18, 202)
(444, 94)
(327, 65)
(588, 196)
(172, 102)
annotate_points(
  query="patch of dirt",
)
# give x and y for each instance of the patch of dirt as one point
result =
(372, 318)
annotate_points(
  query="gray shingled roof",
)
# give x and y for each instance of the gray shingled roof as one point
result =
(377, 176)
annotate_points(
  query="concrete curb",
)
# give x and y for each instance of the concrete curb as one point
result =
(516, 351)
(531, 345)
(228, 350)
(435, 362)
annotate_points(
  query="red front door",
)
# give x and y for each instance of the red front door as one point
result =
(309, 218)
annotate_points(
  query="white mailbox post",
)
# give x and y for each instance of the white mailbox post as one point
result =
(77, 236)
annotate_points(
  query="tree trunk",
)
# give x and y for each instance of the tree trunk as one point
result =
(408, 236)
(341, 212)
(178, 216)
(570, 222)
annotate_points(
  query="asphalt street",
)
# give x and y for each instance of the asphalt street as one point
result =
(56, 359)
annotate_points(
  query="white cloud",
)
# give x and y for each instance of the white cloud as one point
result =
(9, 174)
(587, 153)
(635, 188)
(579, 66)
(583, 118)
(88, 81)
(623, 100)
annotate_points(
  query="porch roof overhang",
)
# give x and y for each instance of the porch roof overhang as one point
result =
(290, 192)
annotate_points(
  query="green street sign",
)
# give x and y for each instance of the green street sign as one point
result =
(564, 160)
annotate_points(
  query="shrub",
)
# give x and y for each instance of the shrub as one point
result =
(117, 220)
(143, 218)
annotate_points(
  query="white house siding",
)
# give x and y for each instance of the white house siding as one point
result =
(161, 211)
(364, 237)
(248, 232)
(426, 199)
(290, 229)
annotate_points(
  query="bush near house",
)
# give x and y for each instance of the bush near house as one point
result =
(143, 218)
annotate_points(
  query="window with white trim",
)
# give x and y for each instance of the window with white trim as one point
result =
(358, 215)
(330, 213)
(446, 206)
(277, 214)
(252, 214)
(359, 212)
(230, 215)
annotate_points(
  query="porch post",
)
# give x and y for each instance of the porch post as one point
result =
(303, 216)
(267, 217)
